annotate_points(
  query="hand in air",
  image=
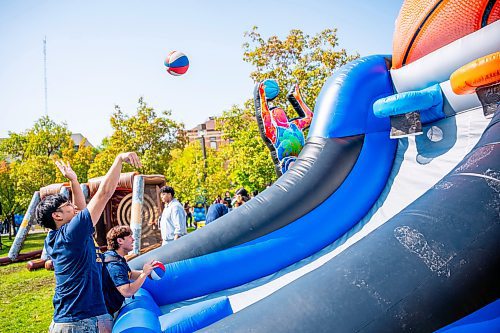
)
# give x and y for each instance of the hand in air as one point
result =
(66, 170)
(132, 159)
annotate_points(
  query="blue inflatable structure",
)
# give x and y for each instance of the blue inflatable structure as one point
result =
(363, 233)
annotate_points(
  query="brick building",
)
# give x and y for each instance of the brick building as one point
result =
(213, 138)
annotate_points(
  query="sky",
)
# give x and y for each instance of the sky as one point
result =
(106, 53)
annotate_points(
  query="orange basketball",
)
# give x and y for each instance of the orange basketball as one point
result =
(424, 26)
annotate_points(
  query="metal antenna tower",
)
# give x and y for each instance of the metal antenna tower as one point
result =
(45, 72)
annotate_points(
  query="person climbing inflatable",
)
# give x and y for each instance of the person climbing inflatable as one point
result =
(283, 136)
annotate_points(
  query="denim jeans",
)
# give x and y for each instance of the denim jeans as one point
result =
(99, 324)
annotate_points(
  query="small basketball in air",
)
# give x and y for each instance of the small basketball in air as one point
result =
(177, 63)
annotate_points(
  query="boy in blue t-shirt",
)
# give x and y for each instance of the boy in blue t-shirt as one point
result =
(78, 299)
(119, 281)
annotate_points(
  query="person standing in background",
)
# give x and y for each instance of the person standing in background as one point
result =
(215, 211)
(173, 218)
(189, 215)
(227, 200)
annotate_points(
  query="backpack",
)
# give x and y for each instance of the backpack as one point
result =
(107, 258)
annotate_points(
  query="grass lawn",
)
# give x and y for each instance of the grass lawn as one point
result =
(32, 243)
(25, 297)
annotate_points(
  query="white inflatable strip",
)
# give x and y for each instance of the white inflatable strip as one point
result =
(453, 103)
(414, 173)
(438, 65)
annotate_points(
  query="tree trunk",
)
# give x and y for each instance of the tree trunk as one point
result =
(12, 225)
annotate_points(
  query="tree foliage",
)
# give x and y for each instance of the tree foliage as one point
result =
(30, 175)
(7, 191)
(298, 58)
(45, 138)
(191, 175)
(81, 159)
(28, 161)
(152, 136)
(249, 162)
(185, 171)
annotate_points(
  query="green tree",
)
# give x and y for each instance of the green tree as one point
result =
(45, 138)
(152, 136)
(298, 58)
(80, 159)
(7, 190)
(30, 175)
(189, 173)
(7, 195)
(250, 163)
(185, 171)
(217, 175)
(30, 156)
(13, 147)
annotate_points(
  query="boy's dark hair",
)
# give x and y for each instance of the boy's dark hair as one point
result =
(168, 189)
(243, 191)
(44, 210)
(120, 231)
